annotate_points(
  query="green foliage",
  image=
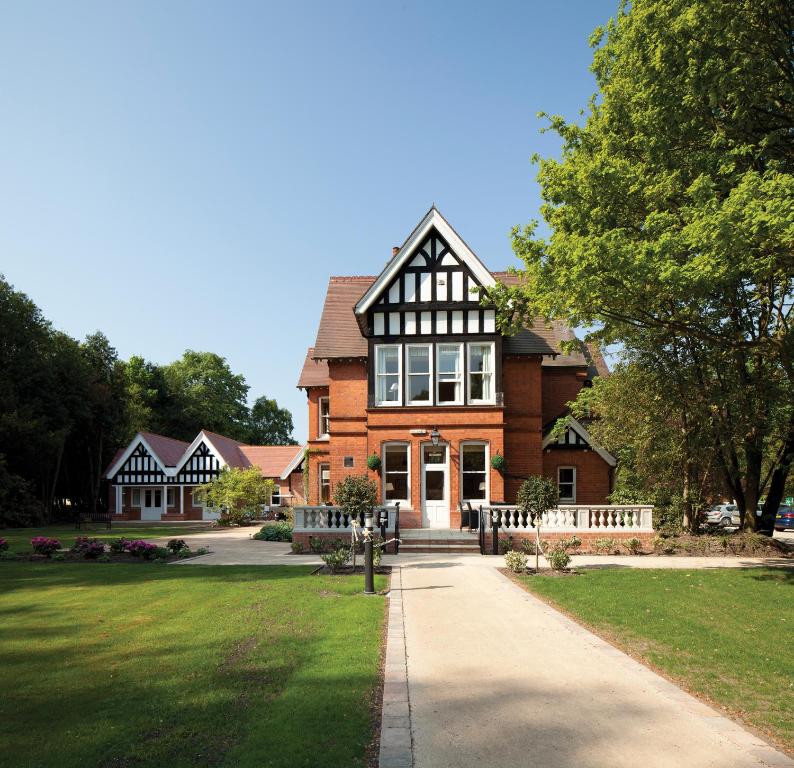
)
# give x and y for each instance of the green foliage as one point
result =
(606, 545)
(117, 546)
(536, 496)
(238, 493)
(558, 559)
(672, 222)
(270, 425)
(177, 545)
(281, 531)
(498, 462)
(633, 546)
(297, 547)
(373, 462)
(557, 551)
(516, 561)
(316, 545)
(337, 559)
(356, 494)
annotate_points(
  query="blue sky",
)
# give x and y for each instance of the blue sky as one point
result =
(188, 175)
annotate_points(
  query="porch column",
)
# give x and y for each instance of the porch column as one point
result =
(181, 500)
(119, 497)
(165, 501)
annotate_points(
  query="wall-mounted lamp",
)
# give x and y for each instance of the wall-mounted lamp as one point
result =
(434, 436)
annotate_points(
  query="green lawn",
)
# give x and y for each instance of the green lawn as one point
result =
(726, 634)
(148, 665)
(19, 538)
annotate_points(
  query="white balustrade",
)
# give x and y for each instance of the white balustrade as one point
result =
(579, 517)
(332, 519)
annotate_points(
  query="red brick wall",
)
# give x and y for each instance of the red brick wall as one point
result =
(560, 386)
(593, 474)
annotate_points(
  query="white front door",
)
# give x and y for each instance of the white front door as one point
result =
(435, 486)
(152, 503)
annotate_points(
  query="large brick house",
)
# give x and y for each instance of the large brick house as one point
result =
(408, 367)
(154, 476)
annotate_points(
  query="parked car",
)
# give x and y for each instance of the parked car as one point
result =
(784, 519)
(723, 515)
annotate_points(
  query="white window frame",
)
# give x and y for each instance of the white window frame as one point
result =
(133, 492)
(320, 466)
(408, 374)
(567, 499)
(487, 470)
(170, 497)
(321, 432)
(399, 400)
(470, 373)
(461, 378)
(407, 446)
(275, 497)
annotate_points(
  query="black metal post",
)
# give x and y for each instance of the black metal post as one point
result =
(369, 567)
(495, 532)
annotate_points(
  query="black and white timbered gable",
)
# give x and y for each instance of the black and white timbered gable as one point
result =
(201, 466)
(139, 468)
(431, 287)
(574, 436)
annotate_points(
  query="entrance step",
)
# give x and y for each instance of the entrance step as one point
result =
(438, 540)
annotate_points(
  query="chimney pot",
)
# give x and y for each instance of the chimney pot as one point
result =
(395, 249)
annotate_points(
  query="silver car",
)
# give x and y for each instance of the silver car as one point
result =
(723, 515)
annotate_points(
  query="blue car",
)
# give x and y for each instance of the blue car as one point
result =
(784, 520)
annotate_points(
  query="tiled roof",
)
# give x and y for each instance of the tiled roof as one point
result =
(272, 460)
(314, 372)
(168, 450)
(229, 449)
(339, 335)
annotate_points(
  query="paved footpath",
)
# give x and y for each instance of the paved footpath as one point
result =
(497, 678)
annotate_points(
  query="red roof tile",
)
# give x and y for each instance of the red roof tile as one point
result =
(314, 372)
(168, 450)
(272, 460)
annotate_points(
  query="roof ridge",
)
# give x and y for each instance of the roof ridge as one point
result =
(350, 278)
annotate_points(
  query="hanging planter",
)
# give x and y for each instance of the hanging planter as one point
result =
(373, 462)
(498, 462)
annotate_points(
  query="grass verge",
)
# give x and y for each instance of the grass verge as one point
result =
(723, 634)
(115, 666)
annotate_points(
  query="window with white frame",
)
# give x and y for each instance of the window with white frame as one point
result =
(136, 497)
(474, 471)
(324, 471)
(566, 483)
(481, 369)
(325, 417)
(170, 497)
(388, 384)
(396, 473)
(275, 497)
(419, 368)
(449, 374)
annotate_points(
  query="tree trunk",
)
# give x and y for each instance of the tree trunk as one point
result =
(777, 486)
(752, 486)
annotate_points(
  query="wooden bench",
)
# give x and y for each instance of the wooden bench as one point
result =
(84, 518)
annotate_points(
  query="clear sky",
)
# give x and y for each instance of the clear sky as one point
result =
(188, 175)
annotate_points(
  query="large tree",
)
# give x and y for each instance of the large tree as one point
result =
(672, 219)
(269, 424)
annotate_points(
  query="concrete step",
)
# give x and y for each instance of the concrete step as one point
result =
(412, 549)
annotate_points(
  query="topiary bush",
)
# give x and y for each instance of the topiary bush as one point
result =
(516, 561)
(356, 494)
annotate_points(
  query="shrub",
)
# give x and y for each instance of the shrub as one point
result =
(356, 494)
(3, 545)
(281, 531)
(316, 545)
(516, 561)
(377, 550)
(140, 548)
(528, 546)
(117, 546)
(103, 558)
(558, 559)
(605, 546)
(202, 551)
(297, 547)
(337, 559)
(633, 546)
(177, 545)
(90, 549)
(44, 545)
(505, 545)
(59, 557)
(6, 555)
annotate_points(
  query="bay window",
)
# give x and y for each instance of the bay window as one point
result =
(419, 369)
(481, 368)
(449, 377)
(474, 471)
(566, 484)
(388, 379)
(396, 474)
